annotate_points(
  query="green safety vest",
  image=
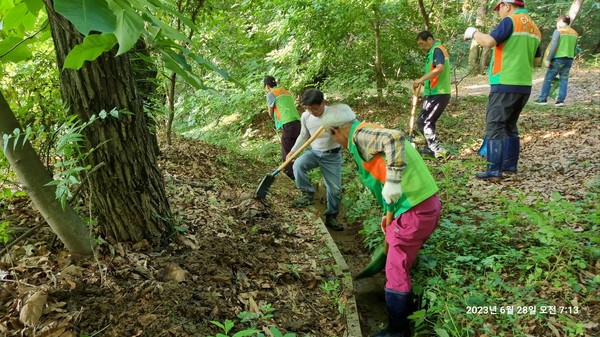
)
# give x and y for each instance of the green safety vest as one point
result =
(285, 109)
(417, 183)
(567, 42)
(512, 60)
(441, 84)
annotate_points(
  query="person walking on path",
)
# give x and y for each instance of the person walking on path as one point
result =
(436, 89)
(282, 107)
(323, 153)
(401, 182)
(516, 43)
(559, 59)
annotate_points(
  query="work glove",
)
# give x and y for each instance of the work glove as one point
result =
(469, 33)
(391, 192)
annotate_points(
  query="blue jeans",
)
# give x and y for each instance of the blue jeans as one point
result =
(561, 67)
(331, 168)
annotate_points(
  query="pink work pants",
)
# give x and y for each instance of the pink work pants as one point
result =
(405, 236)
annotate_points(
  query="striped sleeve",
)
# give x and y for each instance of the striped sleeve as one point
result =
(372, 141)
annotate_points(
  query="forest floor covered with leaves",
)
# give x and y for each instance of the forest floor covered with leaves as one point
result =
(263, 264)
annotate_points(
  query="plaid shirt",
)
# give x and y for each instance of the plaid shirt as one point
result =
(371, 141)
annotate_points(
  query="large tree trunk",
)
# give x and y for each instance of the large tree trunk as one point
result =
(33, 175)
(574, 10)
(145, 73)
(128, 191)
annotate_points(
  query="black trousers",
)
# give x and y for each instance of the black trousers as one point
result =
(502, 113)
(433, 107)
(291, 131)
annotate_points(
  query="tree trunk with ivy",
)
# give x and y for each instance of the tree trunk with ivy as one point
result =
(33, 176)
(128, 192)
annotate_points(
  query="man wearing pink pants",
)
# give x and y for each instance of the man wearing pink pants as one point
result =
(400, 181)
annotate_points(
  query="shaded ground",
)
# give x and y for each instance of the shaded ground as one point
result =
(237, 255)
(234, 255)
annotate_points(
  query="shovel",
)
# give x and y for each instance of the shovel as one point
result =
(415, 99)
(267, 181)
(379, 255)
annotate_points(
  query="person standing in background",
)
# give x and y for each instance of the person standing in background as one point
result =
(436, 90)
(558, 60)
(516, 43)
(282, 107)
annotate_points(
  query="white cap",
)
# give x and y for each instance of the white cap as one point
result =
(337, 115)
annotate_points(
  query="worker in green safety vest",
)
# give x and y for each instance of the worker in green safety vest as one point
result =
(436, 90)
(559, 59)
(516, 43)
(282, 108)
(401, 183)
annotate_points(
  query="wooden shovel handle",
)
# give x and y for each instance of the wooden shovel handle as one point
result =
(415, 99)
(389, 217)
(304, 146)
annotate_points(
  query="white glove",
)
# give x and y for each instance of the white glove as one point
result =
(469, 33)
(391, 192)
(547, 64)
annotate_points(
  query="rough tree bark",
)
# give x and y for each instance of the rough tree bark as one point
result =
(128, 192)
(145, 73)
(33, 175)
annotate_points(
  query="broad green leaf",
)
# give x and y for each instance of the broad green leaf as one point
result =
(6, 4)
(87, 15)
(441, 332)
(165, 31)
(247, 332)
(129, 26)
(14, 17)
(177, 63)
(16, 133)
(175, 12)
(91, 47)
(33, 6)
(19, 53)
(206, 64)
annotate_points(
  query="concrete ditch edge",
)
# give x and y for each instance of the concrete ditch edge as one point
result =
(343, 272)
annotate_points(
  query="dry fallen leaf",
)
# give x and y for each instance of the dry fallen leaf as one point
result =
(253, 306)
(32, 310)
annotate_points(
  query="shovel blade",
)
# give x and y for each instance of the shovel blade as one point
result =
(376, 265)
(265, 184)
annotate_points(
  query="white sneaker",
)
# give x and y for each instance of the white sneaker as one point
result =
(559, 104)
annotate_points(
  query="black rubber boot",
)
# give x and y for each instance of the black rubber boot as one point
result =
(510, 154)
(494, 157)
(332, 223)
(399, 306)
